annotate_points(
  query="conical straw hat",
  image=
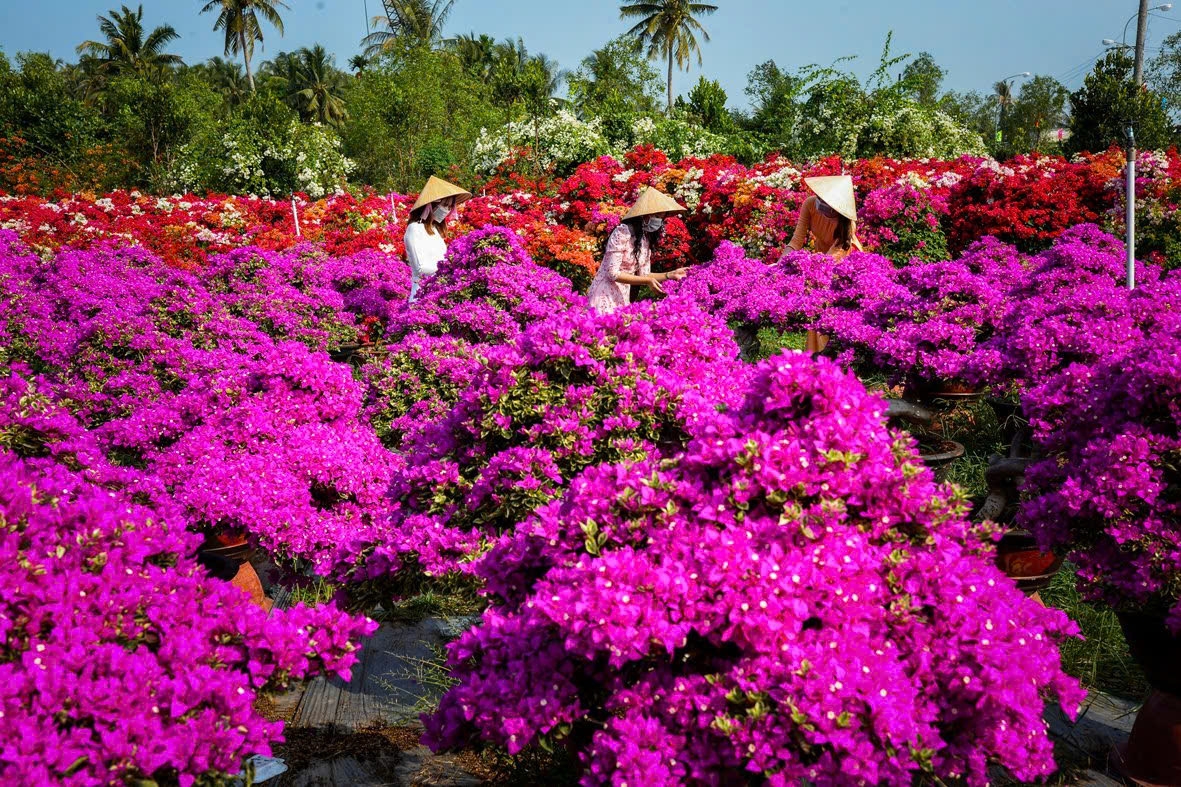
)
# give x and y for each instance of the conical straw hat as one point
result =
(837, 193)
(437, 189)
(651, 202)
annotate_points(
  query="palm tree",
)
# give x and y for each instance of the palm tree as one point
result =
(669, 29)
(477, 54)
(126, 48)
(1003, 92)
(517, 76)
(227, 78)
(239, 20)
(358, 63)
(419, 22)
(312, 85)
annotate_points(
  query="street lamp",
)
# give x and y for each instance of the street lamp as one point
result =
(1162, 7)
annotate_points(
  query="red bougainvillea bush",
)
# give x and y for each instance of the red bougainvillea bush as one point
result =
(791, 597)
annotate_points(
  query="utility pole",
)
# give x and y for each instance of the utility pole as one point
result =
(1141, 35)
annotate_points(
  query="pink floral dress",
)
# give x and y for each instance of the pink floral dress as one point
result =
(606, 294)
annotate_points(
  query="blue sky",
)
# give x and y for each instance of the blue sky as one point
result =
(977, 41)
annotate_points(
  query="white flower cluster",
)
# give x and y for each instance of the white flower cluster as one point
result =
(690, 191)
(786, 177)
(557, 140)
(304, 158)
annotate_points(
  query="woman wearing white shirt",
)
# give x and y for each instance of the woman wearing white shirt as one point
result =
(425, 245)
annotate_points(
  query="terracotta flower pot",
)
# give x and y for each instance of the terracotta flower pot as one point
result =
(1152, 755)
(1017, 554)
(224, 552)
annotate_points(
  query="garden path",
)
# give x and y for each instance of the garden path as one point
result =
(364, 732)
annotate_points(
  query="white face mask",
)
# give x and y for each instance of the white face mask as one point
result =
(440, 213)
(653, 224)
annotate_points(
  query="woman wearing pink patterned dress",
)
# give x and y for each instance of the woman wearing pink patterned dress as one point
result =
(628, 258)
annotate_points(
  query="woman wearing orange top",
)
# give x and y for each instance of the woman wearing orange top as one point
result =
(829, 218)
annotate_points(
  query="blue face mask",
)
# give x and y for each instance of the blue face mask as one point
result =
(653, 224)
(440, 213)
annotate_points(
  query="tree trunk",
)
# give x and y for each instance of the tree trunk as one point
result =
(670, 80)
(246, 57)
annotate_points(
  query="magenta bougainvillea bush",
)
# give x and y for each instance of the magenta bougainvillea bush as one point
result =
(1109, 427)
(119, 659)
(792, 597)
(697, 570)
(575, 390)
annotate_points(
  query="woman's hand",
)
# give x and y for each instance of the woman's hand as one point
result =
(653, 283)
(677, 275)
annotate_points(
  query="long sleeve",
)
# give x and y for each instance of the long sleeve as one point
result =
(617, 249)
(414, 238)
(803, 225)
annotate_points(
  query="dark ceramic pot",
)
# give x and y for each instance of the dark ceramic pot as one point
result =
(1152, 755)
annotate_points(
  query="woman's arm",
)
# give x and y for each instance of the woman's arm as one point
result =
(413, 237)
(803, 225)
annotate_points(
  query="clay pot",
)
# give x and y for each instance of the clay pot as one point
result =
(1152, 755)
(945, 454)
(815, 343)
(227, 556)
(1017, 554)
(925, 391)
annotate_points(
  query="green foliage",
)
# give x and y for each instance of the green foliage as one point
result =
(707, 106)
(825, 110)
(310, 83)
(407, 23)
(615, 81)
(1038, 110)
(669, 29)
(408, 102)
(775, 96)
(37, 104)
(1164, 73)
(239, 20)
(127, 48)
(1108, 102)
(153, 118)
(923, 78)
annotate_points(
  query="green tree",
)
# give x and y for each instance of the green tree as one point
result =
(923, 78)
(707, 104)
(126, 49)
(1108, 102)
(1037, 111)
(669, 28)
(239, 20)
(226, 78)
(972, 110)
(310, 83)
(1164, 73)
(41, 116)
(521, 79)
(150, 119)
(615, 81)
(411, 114)
(774, 95)
(477, 53)
(408, 22)
(358, 63)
